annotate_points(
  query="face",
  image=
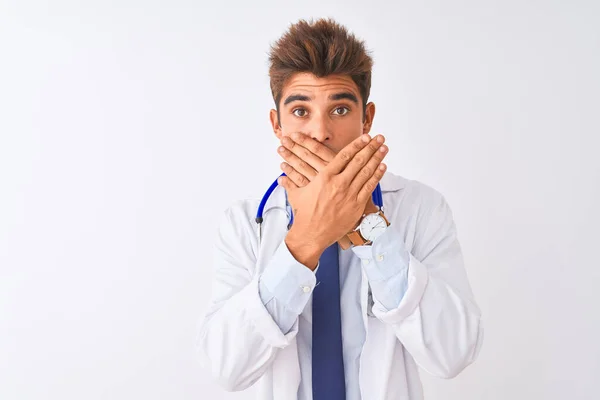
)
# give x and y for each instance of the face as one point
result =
(328, 109)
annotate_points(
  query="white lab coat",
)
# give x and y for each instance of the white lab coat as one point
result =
(437, 325)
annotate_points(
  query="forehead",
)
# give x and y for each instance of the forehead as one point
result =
(308, 83)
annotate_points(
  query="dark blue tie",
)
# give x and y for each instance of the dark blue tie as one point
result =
(328, 382)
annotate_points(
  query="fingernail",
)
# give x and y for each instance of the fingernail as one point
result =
(281, 149)
(382, 167)
(383, 149)
(380, 139)
(366, 138)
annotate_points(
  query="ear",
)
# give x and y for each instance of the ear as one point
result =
(369, 116)
(275, 123)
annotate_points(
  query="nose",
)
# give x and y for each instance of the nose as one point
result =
(319, 129)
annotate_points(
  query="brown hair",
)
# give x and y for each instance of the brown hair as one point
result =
(322, 48)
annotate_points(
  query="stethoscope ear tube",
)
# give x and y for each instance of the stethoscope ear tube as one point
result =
(263, 202)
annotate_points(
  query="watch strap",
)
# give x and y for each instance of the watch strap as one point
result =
(355, 236)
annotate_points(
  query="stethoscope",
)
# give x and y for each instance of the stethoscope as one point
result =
(377, 200)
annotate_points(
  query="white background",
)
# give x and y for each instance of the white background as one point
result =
(127, 127)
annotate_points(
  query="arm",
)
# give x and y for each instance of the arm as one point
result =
(286, 285)
(425, 296)
(386, 266)
(238, 338)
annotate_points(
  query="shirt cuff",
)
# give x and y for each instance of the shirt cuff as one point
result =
(385, 263)
(285, 287)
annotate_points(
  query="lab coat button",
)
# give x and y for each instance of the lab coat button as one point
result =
(306, 289)
(380, 257)
(365, 261)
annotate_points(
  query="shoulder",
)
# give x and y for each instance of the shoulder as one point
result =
(419, 205)
(411, 191)
(241, 211)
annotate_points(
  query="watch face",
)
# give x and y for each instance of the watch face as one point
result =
(372, 226)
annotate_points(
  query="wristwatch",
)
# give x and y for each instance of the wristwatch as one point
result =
(371, 226)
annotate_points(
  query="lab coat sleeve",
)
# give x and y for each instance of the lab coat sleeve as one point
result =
(437, 319)
(238, 338)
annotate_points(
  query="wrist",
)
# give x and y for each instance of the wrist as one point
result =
(304, 250)
(371, 207)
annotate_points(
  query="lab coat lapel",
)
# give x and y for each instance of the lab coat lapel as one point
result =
(286, 366)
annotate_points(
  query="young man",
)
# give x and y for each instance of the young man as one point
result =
(324, 311)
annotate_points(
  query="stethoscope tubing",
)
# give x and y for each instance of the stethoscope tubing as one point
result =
(377, 199)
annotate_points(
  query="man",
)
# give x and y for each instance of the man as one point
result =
(322, 311)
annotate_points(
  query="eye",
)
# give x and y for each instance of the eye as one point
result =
(341, 111)
(299, 112)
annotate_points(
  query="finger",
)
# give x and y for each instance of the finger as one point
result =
(303, 153)
(365, 173)
(369, 187)
(346, 154)
(296, 177)
(360, 161)
(297, 163)
(314, 146)
(286, 183)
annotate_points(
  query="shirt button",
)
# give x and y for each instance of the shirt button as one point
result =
(380, 257)
(306, 289)
(365, 261)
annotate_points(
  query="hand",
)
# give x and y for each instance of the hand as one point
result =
(331, 204)
(304, 158)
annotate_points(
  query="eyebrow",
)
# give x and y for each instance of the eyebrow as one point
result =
(337, 96)
(344, 95)
(296, 97)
